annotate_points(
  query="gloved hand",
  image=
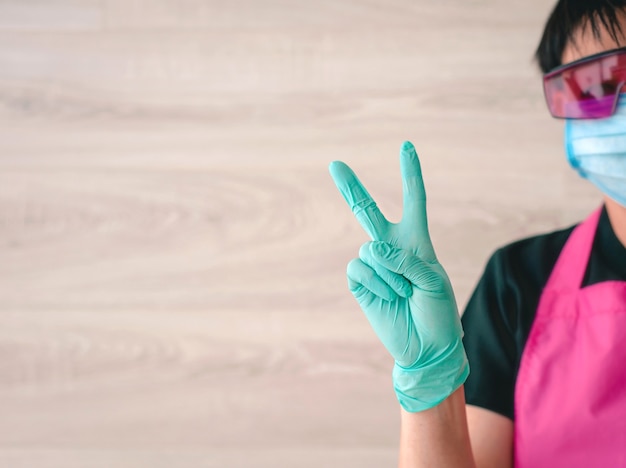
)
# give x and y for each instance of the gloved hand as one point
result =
(404, 291)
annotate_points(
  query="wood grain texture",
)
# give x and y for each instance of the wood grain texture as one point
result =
(172, 249)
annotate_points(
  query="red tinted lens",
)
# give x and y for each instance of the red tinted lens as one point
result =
(587, 90)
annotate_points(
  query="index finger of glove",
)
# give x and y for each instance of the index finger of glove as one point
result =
(359, 200)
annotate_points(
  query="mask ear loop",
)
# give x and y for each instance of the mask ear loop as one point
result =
(618, 93)
(569, 151)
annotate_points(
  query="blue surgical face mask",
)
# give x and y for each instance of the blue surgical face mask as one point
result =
(597, 150)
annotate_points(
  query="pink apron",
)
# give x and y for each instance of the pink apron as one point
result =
(570, 395)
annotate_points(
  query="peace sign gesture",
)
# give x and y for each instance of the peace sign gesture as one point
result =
(404, 291)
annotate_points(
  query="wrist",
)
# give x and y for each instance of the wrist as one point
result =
(437, 436)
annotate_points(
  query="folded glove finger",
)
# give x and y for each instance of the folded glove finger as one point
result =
(400, 285)
(362, 276)
(405, 263)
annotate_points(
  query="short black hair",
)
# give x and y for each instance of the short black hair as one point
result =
(566, 17)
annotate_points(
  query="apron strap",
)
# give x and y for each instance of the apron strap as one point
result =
(569, 271)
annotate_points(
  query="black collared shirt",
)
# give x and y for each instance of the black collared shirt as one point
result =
(499, 315)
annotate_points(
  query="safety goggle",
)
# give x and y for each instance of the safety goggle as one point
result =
(588, 88)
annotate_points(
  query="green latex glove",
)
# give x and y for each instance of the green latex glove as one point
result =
(404, 291)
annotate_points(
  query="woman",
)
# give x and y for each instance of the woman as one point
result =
(545, 330)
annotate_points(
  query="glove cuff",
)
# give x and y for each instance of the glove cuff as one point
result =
(422, 388)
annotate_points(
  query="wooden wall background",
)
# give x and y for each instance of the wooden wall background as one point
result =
(172, 249)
